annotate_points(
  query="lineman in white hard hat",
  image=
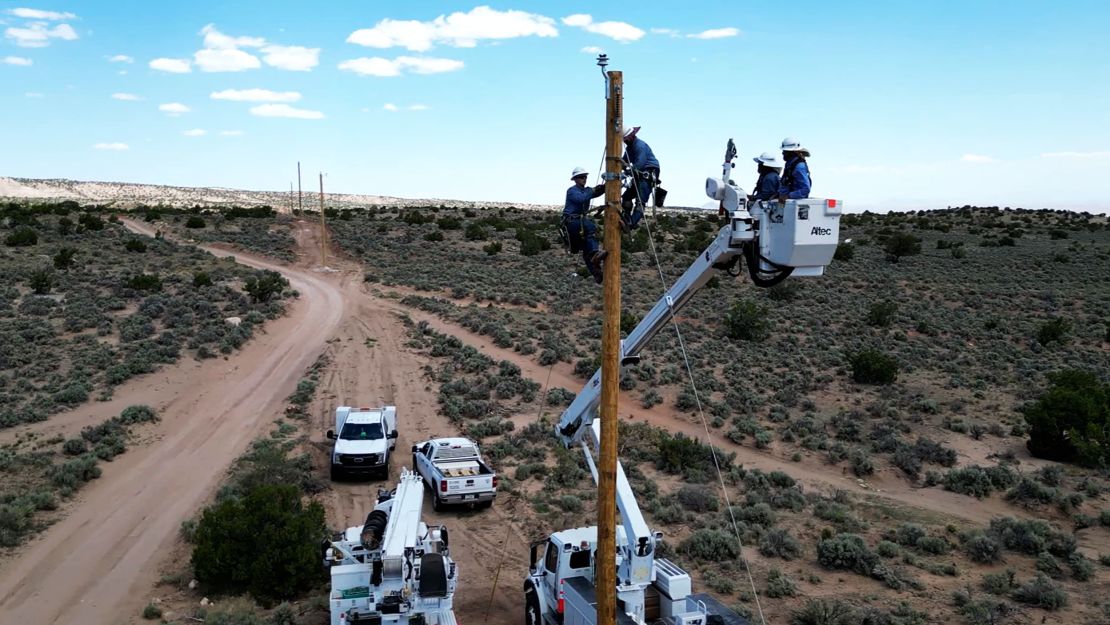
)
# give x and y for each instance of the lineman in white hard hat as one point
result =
(767, 187)
(645, 171)
(796, 181)
(581, 230)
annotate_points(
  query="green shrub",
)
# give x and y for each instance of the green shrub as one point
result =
(265, 285)
(696, 498)
(824, 612)
(195, 222)
(492, 249)
(881, 314)
(63, 260)
(41, 281)
(238, 543)
(1000, 583)
(845, 252)
(23, 236)
(1054, 331)
(1071, 421)
(201, 279)
(90, 221)
(847, 552)
(870, 366)
(900, 245)
(780, 585)
(710, 545)
(983, 549)
(135, 245)
(152, 611)
(747, 321)
(145, 282)
(1042, 592)
(434, 236)
(475, 232)
(778, 542)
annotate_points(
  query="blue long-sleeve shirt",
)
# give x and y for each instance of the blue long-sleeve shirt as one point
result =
(795, 182)
(578, 200)
(767, 187)
(639, 154)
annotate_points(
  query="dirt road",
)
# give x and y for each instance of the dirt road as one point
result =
(97, 564)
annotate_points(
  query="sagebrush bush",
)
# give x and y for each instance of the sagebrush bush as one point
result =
(871, 366)
(710, 545)
(1041, 592)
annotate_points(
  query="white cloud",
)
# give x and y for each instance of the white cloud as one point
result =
(33, 94)
(174, 66)
(392, 108)
(225, 60)
(36, 14)
(17, 60)
(284, 110)
(1080, 155)
(291, 58)
(173, 108)
(664, 31)
(195, 132)
(460, 30)
(618, 31)
(121, 58)
(232, 133)
(117, 147)
(977, 158)
(593, 50)
(378, 66)
(419, 107)
(716, 33)
(215, 40)
(39, 34)
(126, 97)
(255, 95)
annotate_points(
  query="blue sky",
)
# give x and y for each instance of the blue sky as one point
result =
(903, 104)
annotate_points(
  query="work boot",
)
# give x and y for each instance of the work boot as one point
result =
(599, 256)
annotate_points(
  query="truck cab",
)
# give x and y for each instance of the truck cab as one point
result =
(363, 439)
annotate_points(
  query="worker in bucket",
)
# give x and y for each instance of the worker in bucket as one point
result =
(645, 177)
(768, 166)
(581, 230)
(795, 182)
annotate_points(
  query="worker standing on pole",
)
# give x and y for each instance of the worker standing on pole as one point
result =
(581, 229)
(645, 177)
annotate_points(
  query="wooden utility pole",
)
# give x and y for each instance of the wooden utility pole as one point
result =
(606, 566)
(300, 196)
(323, 227)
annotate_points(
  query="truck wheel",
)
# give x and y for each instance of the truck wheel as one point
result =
(385, 471)
(485, 504)
(437, 505)
(531, 606)
(335, 473)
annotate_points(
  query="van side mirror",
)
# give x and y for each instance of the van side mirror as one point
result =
(393, 434)
(415, 449)
(331, 434)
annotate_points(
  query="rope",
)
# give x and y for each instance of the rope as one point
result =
(497, 573)
(704, 422)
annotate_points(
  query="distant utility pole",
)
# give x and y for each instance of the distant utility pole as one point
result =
(323, 227)
(300, 196)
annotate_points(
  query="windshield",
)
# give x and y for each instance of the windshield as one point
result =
(361, 431)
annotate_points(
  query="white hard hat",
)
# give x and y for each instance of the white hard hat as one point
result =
(579, 171)
(790, 144)
(629, 131)
(770, 159)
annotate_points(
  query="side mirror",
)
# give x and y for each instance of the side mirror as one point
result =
(393, 434)
(331, 434)
(415, 449)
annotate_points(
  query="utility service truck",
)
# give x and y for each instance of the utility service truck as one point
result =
(394, 569)
(363, 439)
(455, 472)
(775, 240)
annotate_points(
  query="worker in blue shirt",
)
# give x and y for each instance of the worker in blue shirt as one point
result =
(645, 172)
(796, 181)
(580, 228)
(767, 186)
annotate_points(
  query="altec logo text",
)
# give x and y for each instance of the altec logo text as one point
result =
(820, 231)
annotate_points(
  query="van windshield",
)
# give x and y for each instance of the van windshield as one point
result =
(361, 431)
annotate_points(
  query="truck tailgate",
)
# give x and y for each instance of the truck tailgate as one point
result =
(469, 484)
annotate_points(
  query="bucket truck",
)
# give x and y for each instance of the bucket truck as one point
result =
(394, 569)
(774, 240)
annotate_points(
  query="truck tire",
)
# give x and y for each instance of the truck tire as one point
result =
(335, 473)
(531, 605)
(485, 504)
(437, 505)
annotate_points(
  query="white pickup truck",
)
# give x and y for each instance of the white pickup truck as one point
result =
(363, 439)
(454, 472)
